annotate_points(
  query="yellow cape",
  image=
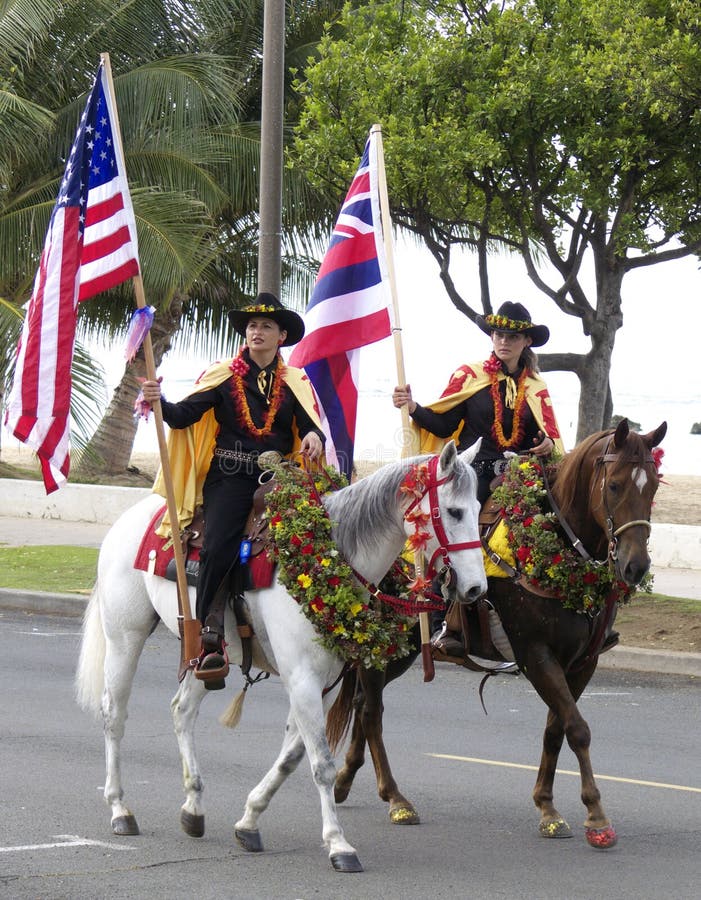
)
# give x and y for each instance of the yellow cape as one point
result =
(465, 382)
(190, 449)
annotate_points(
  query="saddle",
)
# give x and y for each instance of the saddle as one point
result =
(474, 629)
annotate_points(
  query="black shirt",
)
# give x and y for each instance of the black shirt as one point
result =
(477, 415)
(233, 434)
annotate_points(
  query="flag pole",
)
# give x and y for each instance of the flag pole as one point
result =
(426, 657)
(189, 627)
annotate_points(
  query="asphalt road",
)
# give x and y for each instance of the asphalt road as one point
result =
(470, 776)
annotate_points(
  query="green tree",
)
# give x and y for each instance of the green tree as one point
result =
(561, 130)
(187, 84)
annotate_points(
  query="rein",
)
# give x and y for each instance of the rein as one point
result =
(433, 602)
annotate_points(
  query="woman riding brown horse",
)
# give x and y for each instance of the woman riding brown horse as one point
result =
(604, 490)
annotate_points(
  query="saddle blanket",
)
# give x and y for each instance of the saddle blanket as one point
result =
(155, 553)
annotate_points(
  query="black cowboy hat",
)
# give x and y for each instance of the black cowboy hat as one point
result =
(268, 306)
(514, 317)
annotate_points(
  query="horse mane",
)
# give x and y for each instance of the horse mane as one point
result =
(569, 476)
(368, 508)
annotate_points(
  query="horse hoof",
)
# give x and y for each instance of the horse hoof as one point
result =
(555, 828)
(404, 814)
(340, 794)
(125, 825)
(192, 824)
(249, 840)
(345, 862)
(601, 838)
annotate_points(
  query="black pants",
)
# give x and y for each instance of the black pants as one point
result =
(227, 499)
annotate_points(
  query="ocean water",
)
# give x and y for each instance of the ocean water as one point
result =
(379, 434)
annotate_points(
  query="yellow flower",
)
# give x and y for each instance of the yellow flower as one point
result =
(339, 629)
(355, 608)
(325, 562)
(304, 580)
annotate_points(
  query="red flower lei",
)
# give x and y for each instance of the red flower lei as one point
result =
(239, 367)
(518, 427)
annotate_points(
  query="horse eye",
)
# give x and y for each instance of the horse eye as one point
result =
(455, 513)
(613, 487)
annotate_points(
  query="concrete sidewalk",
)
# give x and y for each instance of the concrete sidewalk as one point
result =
(81, 515)
(23, 531)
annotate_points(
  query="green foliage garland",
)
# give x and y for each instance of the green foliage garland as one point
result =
(310, 566)
(542, 553)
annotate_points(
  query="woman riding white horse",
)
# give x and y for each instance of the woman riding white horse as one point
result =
(127, 604)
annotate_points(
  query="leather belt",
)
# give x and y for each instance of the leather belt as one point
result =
(237, 455)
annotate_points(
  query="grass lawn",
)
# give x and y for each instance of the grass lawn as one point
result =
(56, 569)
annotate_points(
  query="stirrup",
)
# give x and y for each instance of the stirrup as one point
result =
(212, 668)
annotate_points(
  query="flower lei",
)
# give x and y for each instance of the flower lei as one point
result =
(239, 368)
(543, 554)
(492, 367)
(319, 579)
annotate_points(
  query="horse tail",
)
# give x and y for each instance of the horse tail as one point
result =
(90, 672)
(341, 713)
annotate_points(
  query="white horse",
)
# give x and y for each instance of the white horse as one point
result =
(127, 604)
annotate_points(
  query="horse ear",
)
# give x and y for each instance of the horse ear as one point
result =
(653, 438)
(468, 455)
(448, 456)
(621, 433)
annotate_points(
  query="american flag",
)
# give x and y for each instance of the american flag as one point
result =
(349, 308)
(90, 246)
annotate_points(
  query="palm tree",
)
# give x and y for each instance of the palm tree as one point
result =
(187, 87)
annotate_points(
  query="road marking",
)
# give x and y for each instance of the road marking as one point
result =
(67, 840)
(508, 765)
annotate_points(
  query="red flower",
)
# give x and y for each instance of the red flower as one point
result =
(418, 517)
(317, 604)
(296, 541)
(557, 559)
(334, 581)
(418, 540)
(239, 366)
(590, 578)
(528, 521)
(523, 554)
(308, 549)
(418, 585)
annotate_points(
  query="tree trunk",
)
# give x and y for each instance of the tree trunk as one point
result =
(595, 401)
(109, 450)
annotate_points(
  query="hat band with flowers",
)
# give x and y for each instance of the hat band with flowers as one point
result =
(268, 306)
(504, 323)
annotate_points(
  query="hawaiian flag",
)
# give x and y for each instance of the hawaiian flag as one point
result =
(349, 308)
(90, 246)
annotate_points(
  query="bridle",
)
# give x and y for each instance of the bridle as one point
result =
(612, 533)
(433, 482)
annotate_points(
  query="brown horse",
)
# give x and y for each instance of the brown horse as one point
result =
(604, 490)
